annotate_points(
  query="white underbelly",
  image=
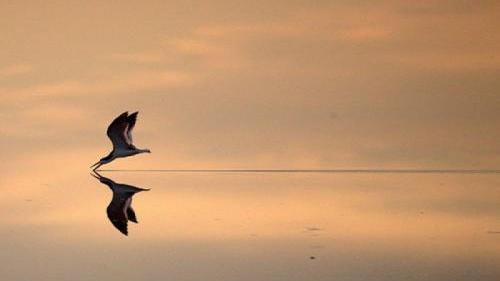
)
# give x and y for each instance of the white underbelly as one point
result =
(124, 153)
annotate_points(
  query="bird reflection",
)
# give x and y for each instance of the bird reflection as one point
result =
(120, 208)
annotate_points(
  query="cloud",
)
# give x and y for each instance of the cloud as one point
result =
(139, 57)
(412, 38)
(118, 84)
(16, 69)
(365, 33)
(452, 61)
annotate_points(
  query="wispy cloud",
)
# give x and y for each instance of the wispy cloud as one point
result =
(119, 84)
(139, 57)
(16, 69)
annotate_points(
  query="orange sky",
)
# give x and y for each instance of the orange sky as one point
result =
(252, 85)
(233, 84)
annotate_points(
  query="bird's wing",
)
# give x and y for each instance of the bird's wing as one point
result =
(131, 119)
(131, 214)
(117, 131)
(130, 191)
(119, 224)
(117, 211)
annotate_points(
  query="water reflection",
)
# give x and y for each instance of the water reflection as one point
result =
(246, 227)
(120, 210)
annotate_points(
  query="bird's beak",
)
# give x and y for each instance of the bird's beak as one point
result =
(96, 164)
(95, 176)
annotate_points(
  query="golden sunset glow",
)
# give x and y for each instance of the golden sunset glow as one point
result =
(252, 85)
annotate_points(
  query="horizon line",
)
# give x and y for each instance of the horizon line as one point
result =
(386, 171)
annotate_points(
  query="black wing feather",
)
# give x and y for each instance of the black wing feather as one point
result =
(117, 216)
(131, 215)
(131, 119)
(118, 131)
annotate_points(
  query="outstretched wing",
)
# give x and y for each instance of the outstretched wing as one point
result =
(131, 214)
(131, 119)
(118, 132)
(120, 224)
(117, 211)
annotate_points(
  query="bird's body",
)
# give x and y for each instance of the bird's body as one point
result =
(120, 134)
(120, 210)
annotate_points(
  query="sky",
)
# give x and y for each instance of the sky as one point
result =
(252, 84)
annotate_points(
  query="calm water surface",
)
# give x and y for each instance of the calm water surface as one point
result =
(231, 226)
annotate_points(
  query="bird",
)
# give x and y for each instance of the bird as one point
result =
(120, 134)
(120, 210)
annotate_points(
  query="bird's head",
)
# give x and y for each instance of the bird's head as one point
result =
(103, 161)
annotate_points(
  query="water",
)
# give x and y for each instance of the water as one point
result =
(254, 226)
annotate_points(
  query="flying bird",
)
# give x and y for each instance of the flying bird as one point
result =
(120, 134)
(120, 210)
